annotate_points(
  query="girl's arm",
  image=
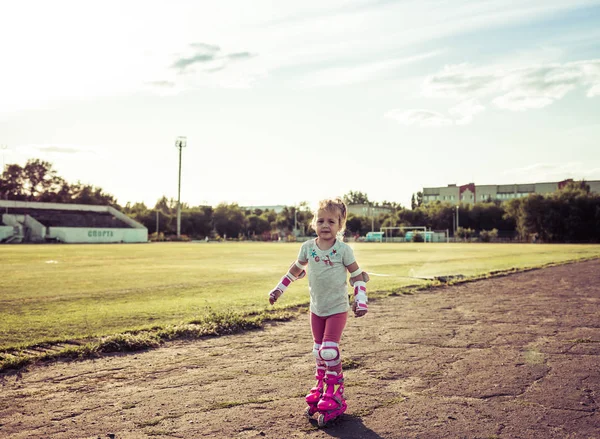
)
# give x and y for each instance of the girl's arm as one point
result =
(296, 271)
(363, 276)
(359, 279)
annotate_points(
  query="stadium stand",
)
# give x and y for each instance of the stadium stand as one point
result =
(73, 223)
(75, 218)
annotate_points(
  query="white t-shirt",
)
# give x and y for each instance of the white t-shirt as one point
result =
(327, 276)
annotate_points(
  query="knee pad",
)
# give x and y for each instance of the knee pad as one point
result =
(330, 353)
(315, 350)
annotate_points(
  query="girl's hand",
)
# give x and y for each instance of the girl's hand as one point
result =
(359, 309)
(274, 295)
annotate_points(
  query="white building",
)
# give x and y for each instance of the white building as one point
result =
(471, 193)
(277, 209)
(368, 210)
(23, 221)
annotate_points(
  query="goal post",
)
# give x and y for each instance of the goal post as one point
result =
(441, 235)
(419, 229)
(428, 235)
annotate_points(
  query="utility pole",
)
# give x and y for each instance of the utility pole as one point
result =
(295, 220)
(456, 217)
(453, 223)
(372, 219)
(180, 143)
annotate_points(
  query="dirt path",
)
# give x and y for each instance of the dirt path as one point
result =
(511, 357)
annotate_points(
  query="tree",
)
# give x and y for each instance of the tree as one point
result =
(419, 199)
(166, 206)
(135, 208)
(257, 225)
(38, 181)
(30, 182)
(438, 216)
(356, 198)
(465, 233)
(197, 222)
(488, 235)
(38, 178)
(88, 194)
(413, 202)
(229, 220)
(354, 225)
(391, 204)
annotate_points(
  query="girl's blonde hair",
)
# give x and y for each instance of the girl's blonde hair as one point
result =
(331, 205)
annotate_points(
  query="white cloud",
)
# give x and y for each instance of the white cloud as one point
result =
(465, 111)
(594, 91)
(517, 101)
(462, 80)
(361, 72)
(420, 118)
(461, 114)
(515, 88)
(49, 151)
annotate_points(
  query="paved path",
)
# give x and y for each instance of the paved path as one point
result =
(510, 357)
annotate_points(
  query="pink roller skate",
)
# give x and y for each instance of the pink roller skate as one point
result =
(332, 404)
(314, 396)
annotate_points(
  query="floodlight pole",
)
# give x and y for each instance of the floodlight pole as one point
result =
(180, 143)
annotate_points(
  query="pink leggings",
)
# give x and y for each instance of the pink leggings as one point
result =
(328, 328)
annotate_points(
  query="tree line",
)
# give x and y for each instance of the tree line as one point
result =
(571, 214)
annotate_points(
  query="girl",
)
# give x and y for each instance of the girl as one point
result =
(328, 259)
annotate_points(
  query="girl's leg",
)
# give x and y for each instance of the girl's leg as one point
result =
(332, 334)
(327, 333)
(332, 403)
(317, 325)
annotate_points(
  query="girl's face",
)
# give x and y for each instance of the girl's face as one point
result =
(328, 224)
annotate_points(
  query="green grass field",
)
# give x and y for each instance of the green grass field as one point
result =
(61, 292)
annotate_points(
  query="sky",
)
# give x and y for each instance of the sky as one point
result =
(283, 102)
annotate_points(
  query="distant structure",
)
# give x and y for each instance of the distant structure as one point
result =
(471, 193)
(277, 209)
(355, 209)
(368, 210)
(23, 221)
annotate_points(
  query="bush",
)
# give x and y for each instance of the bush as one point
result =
(156, 238)
(183, 238)
(488, 235)
(465, 233)
(417, 237)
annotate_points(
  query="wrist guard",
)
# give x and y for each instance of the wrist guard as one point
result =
(282, 286)
(360, 296)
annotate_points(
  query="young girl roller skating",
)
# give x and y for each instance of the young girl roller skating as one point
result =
(327, 259)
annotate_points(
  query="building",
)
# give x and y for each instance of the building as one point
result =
(368, 210)
(277, 209)
(471, 193)
(25, 221)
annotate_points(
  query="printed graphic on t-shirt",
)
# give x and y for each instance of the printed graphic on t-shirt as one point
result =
(326, 259)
